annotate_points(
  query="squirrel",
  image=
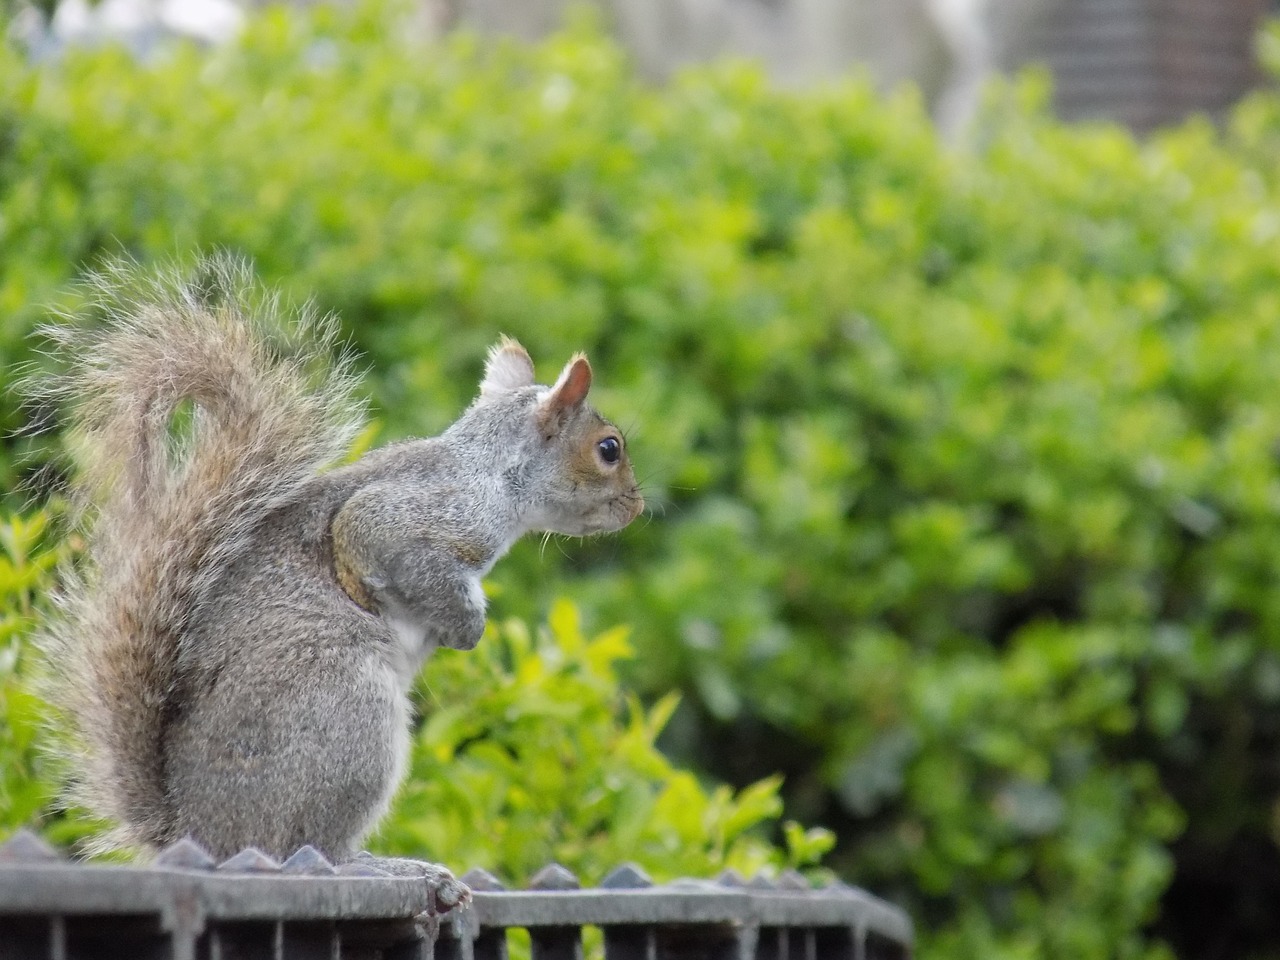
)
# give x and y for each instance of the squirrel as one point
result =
(234, 652)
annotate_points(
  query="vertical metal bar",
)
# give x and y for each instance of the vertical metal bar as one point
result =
(466, 944)
(748, 941)
(453, 939)
(490, 942)
(277, 941)
(810, 943)
(555, 942)
(181, 915)
(182, 943)
(430, 935)
(629, 941)
(57, 938)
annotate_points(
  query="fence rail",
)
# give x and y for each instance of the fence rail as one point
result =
(186, 907)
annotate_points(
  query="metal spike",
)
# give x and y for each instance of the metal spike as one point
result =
(793, 880)
(554, 877)
(626, 877)
(26, 847)
(761, 882)
(478, 879)
(250, 860)
(185, 854)
(307, 861)
(731, 878)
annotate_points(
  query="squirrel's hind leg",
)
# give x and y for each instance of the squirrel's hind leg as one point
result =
(248, 767)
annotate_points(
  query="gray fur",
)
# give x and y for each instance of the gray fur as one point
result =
(218, 677)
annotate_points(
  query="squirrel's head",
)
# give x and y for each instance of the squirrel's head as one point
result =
(568, 463)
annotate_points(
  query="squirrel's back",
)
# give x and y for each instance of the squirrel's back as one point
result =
(196, 408)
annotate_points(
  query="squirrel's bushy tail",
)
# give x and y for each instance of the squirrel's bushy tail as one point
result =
(196, 407)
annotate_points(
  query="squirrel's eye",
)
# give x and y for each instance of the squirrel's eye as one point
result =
(610, 449)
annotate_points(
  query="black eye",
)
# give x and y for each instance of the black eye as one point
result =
(610, 449)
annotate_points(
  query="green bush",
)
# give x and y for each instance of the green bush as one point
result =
(524, 758)
(26, 565)
(965, 460)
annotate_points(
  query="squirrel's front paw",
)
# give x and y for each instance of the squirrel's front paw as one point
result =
(449, 890)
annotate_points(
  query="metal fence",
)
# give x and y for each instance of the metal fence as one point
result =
(185, 907)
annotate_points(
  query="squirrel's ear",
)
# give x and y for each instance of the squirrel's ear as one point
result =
(567, 395)
(508, 368)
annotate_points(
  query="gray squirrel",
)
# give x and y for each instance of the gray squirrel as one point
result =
(233, 654)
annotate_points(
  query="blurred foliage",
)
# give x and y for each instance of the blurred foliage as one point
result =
(525, 758)
(26, 567)
(964, 460)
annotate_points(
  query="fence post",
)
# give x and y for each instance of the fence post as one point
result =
(555, 942)
(491, 942)
(629, 941)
